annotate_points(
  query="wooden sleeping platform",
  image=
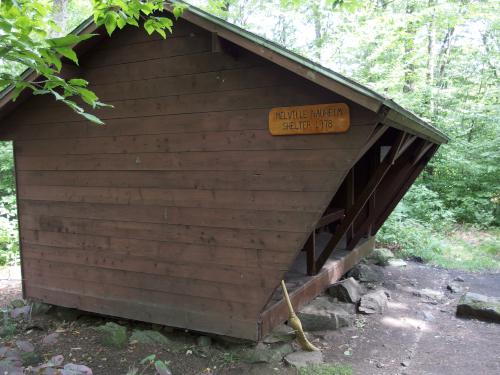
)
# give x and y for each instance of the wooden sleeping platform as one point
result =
(302, 287)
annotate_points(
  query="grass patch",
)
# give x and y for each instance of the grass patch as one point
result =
(326, 369)
(454, 248)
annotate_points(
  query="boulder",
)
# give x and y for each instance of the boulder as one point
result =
(374, 302)
(39, 308)
(455, 287)
(148, 337)
(429, 294)
(304, 359)
(17, 303)
(367, 273)
(203, 341)
(347, 290)
(263, 353)
(474, 305)
(381, 256)
(323, 314)
(65, 314)
(396, 263)
(282, 333)
(113, 335)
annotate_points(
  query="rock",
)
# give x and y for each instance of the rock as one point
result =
(367, 273)
(149, 337)
(25, 346)
(428, 316)
(50, 339)
(39, 308)
(17, 303)
(455, 287)
(263, 353)
(74, 369)
(322, 314)
(430, 294)
(8, 329)
(113, 335)
(282, 333)
(459, 279)
(347, 290)
(304, 359)
(21, 312)
(66, 314)
(204, 341)
(373, 302)
(31, 358)
(474, 305)
(397, 263)
(381, 256)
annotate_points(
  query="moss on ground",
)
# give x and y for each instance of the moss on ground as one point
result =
(326, 369)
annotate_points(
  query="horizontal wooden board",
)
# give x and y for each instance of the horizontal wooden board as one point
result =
(255, 140)
(151, 312)
(234, 199)
(253, 98)
(131, 35)
(252, 180)
(168, 67)
(152, 49)
(51, 275)
(174, 252)
(151, 282)
(249, 239)
(283, 221)
(280, 160)
(260, 279)
(218, 81)
(193, 124)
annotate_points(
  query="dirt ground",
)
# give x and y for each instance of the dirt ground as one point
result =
(418, 334)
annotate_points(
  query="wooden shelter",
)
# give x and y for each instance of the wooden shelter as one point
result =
(226, 165)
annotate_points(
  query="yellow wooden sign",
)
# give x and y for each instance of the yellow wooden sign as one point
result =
(309, 119)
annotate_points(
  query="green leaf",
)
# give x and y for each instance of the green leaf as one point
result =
(92, 118)
(149, 358)
(68, 40)
(78, 82)
(88, 96)
(121, 22)
(110, 23)
(149, 26)
(68, 53)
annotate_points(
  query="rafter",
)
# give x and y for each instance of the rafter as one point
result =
(361, 200)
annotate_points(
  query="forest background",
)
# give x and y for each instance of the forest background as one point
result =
(438, 58)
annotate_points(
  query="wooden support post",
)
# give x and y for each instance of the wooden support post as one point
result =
(331, 217)
(310, 248)
(361, 200)
(215, 43)
(350, 199)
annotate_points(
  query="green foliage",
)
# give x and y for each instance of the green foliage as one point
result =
(26, 27)
(9, 248)
(326, 369)
(113, 335)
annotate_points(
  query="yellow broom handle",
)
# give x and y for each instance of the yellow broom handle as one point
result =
(287, 298)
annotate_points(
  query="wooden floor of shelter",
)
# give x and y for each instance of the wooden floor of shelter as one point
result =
(303, 288)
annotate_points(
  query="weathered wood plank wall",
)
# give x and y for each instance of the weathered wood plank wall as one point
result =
(182, 209)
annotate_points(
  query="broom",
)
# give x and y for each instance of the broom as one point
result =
(294, 322)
